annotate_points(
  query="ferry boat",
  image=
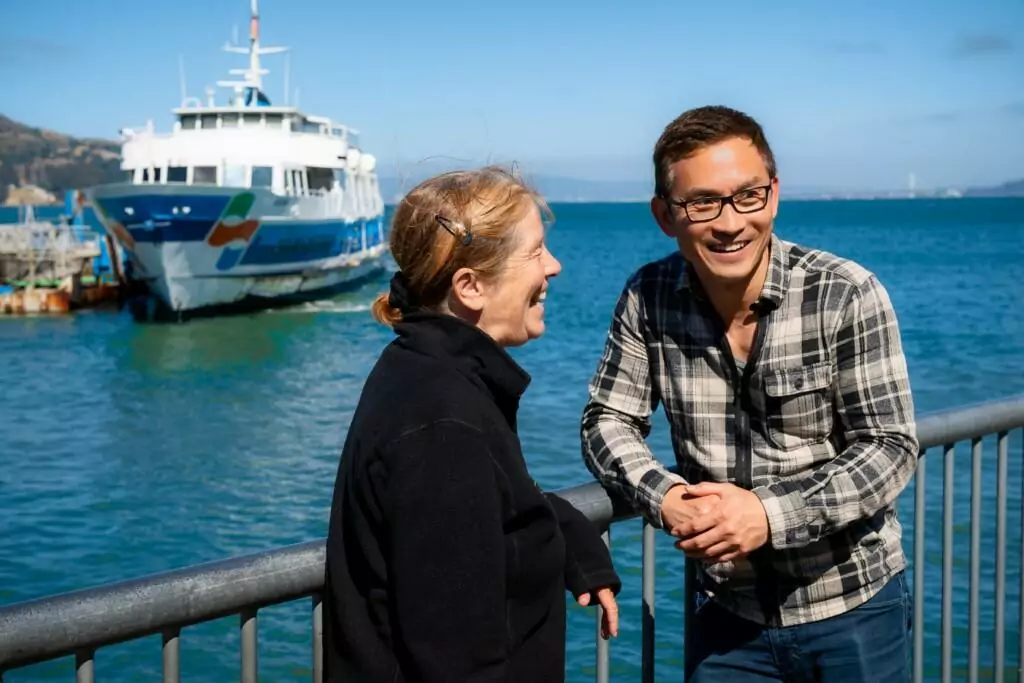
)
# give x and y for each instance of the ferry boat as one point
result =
(245, 205)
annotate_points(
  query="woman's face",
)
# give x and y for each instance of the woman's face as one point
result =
(512, 310)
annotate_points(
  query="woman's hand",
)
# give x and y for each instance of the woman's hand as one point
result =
(610, 618)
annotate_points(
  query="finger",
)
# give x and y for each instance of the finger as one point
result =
(583, 599)
(611, 611)
(696, 525)
(706, 488)
(701, 542)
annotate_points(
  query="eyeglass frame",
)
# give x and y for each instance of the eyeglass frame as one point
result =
(722, 201)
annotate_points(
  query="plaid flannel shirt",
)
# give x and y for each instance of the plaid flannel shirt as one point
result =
(819, 425)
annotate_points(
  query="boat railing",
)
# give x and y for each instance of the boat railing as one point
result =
(76, 624)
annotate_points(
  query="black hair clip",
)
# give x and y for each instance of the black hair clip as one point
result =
(465, 237)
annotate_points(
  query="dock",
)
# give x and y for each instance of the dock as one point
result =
(48, 268)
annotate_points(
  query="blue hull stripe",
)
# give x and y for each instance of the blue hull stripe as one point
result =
(161, 218)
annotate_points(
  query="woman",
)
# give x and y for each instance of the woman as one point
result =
(445, 561)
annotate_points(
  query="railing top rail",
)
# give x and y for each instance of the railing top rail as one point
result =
(967, 422)
(51, 627)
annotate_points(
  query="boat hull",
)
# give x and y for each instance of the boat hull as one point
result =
(202, 251)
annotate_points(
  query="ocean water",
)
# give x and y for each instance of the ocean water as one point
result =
(129, 449)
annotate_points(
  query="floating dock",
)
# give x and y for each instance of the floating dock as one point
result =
(48, 268)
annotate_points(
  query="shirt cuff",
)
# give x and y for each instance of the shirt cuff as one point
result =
(786, 511)
(656, 496)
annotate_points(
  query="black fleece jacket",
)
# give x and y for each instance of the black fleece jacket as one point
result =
(445, 561)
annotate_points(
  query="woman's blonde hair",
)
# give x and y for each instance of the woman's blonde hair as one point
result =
(462, 219)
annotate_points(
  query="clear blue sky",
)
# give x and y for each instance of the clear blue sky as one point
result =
(853, 95)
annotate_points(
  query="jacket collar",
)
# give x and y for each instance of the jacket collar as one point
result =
(470, 351)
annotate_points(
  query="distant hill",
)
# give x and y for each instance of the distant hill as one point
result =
(53, 161)
(1013, 188)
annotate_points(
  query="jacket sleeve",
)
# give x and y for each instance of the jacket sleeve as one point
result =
(876, 413)
(616, 420)
(588, 562)
(447, 556)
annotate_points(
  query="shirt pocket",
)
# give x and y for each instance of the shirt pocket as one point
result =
(798, 405)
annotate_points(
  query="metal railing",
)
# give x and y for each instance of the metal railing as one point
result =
(78, 623)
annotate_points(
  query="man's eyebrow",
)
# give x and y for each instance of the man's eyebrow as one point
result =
(700, 192)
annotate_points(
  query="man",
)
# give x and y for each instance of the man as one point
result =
(783, 379)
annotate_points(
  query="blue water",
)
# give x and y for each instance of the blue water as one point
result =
(128, 449)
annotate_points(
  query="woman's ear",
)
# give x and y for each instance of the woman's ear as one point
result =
(468, 289)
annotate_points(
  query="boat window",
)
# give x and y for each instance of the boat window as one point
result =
(273, 121)
(320, 178)
(262, 176)
(295, 182)
(235, 175)
(251, 120)
(204, 175)
(177, 174)
(189, 122)
(208, 120)
(229, 121)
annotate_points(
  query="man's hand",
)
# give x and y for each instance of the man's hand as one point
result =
(734, 528)
(678, 507)
(610, 617)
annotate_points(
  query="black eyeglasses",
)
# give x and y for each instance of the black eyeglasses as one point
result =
(704, 209)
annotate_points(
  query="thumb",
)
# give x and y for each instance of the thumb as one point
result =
(583, 599)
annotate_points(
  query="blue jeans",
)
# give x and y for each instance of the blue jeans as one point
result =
(871, 642)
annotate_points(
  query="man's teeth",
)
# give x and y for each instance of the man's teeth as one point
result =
(727, 248)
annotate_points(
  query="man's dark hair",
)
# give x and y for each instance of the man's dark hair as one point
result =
(695, 129)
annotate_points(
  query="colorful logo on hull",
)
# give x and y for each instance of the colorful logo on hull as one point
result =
(234, 228)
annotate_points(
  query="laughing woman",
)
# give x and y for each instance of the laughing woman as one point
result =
(445, 561)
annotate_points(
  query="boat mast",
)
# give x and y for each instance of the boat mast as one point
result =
(253, 76)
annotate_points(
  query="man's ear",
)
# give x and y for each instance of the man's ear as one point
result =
(662, 213)
(468, 289)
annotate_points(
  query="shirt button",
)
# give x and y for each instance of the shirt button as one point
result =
(798, 383)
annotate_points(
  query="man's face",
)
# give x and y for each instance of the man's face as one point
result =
(725, 242)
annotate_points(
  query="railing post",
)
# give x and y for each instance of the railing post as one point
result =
(172, 656)
(84, 666)
(647, 625)
(919, 526)
(689, 613)
(602, 644)
(948, 453)
(318, 639)
(1000, 616)
(250, 663)
(975, 598)
(1020, 573)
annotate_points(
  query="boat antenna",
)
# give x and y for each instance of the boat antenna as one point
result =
(181, 76)
(287, 74)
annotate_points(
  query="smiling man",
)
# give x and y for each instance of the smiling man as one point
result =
(783, 379)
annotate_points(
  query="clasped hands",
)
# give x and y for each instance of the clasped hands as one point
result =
(715, 522)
